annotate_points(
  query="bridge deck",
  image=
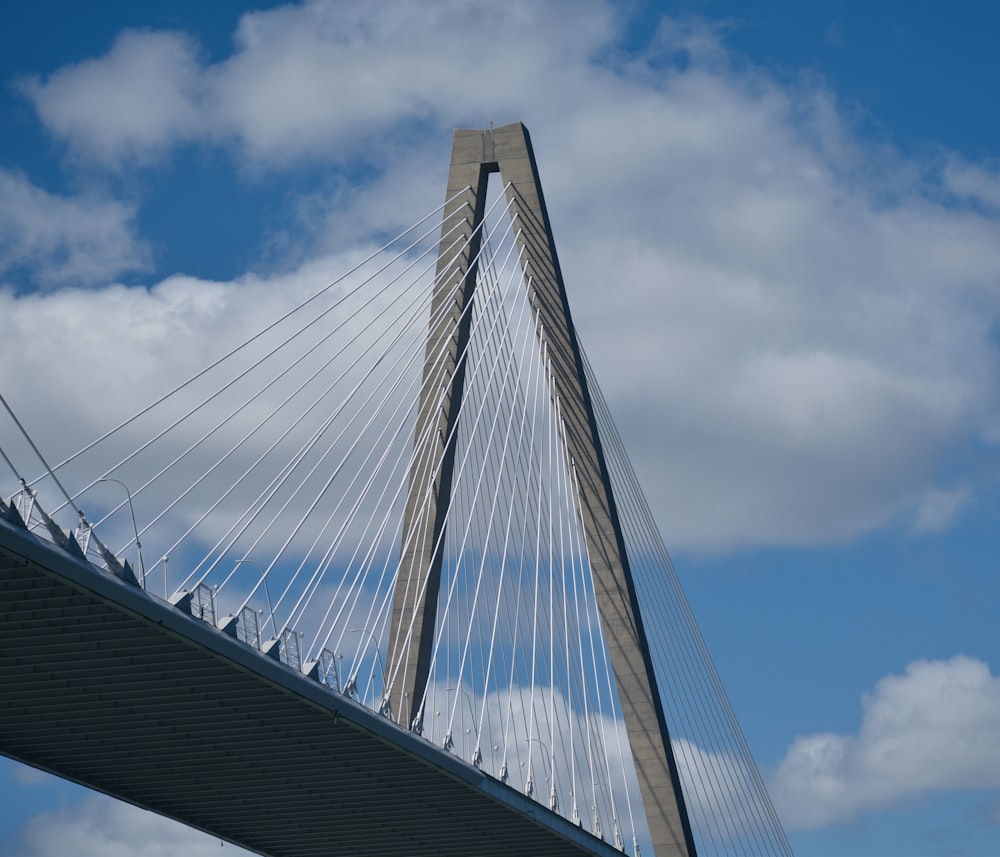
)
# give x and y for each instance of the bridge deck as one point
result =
(107, 685)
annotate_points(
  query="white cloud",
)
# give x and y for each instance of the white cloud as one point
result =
(63, 240)
(789, 329)
(134, 102)
(99, 826)
(24, 775)
(341, 77)
(114, 350)
(309, 79)
(973, 181)
(934, 728)
(939, 508)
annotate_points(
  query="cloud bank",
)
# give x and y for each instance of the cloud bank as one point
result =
(59, 241)
(934, 728)
(102, 827)
(792, 325)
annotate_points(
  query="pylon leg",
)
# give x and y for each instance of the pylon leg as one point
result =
(475, 155)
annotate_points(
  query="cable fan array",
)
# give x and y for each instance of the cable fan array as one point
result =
(267, 494)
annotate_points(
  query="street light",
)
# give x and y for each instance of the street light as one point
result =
(551, 777)
(138, 544)
(371, 678)
(477, 756)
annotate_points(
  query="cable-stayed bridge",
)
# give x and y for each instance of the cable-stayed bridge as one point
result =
(379, 579)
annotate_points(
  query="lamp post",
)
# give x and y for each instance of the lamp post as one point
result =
(550, 777)
(378, 655)
(477, 756)
(135, 528)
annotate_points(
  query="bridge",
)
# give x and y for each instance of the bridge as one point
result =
(384, 581)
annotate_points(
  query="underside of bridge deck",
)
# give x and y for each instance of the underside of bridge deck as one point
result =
(108, 686)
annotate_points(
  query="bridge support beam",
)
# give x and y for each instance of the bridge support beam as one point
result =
(475, 155)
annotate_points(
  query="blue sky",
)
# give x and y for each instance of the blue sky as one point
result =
(780, 227)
